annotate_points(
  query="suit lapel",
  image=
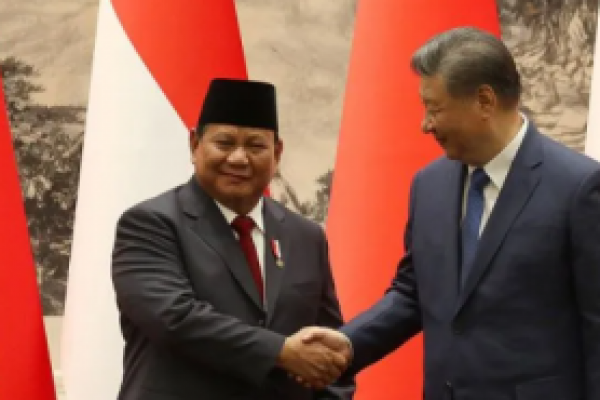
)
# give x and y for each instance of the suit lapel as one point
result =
(451, 187)
(274, 220)
(209, 223)
(520, 184)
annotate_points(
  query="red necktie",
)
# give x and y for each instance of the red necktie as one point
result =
(243, 225)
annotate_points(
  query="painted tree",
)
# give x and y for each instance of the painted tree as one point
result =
(48, 142)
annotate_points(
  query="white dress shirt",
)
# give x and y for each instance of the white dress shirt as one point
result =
(497, 170)
(258, 232)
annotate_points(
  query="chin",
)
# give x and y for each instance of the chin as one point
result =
(452, 156)
(450, 153)
(235, 192)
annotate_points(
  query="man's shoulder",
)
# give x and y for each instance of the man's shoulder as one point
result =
(294, 220)
(164, 204)
(563, 161)
(439, 165)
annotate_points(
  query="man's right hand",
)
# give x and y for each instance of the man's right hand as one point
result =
(312, 362)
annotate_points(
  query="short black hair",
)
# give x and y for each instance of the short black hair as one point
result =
(467, 58)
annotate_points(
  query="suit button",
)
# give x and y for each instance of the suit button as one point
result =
(457, 329)
(449, 384)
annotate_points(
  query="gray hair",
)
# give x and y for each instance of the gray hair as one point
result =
(467, 58)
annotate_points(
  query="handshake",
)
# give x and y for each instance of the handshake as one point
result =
(316, 357)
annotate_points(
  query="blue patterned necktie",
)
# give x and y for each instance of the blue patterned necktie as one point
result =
(472, 220)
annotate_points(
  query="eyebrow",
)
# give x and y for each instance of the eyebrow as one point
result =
(223, 132)
(251, 136)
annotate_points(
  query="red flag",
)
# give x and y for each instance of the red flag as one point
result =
(380, 148)
(25, 372)
(184, 44)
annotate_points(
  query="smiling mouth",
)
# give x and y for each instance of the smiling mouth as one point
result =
(236, 176)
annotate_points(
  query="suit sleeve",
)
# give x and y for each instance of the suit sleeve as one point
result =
(395, 318)
(155, 294)
(330, 315)
(585, 235)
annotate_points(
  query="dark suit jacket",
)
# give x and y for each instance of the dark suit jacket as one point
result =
(526, 326)
(190, 315)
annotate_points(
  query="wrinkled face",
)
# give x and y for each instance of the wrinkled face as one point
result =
(458, 124)
(235, 164)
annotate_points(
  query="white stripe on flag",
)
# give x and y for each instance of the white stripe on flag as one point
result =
(135, 147)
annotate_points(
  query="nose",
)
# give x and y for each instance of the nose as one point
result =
(238, 156)
(426, 125)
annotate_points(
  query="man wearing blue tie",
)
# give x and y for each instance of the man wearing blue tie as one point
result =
(502, 247)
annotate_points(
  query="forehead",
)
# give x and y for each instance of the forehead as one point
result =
(228, 129)
(432, 88)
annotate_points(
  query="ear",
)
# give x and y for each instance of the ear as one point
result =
(487, 100)
(193, 142)
(193, 139)
(278, 150)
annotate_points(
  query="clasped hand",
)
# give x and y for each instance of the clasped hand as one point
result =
(316, 357)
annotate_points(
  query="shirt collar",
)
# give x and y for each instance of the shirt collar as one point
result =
(497, 169)
(255, 214)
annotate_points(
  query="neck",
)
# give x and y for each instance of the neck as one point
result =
(239, 206)
(503, 131)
